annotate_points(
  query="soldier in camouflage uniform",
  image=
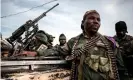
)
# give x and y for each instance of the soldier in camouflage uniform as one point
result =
(92, 54)
(45, 38)
(41, 41)
(57, 50)
(61, 47)
(62, 40)
(126, 49)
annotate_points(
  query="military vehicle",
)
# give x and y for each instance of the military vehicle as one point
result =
(23, 58)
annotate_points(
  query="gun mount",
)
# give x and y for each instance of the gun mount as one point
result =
(30, 28)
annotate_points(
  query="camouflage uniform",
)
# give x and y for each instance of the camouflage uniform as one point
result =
(125, 49)
(92, 54)
(41, 42)
(57, 50)
(61, 48)
(95, 63)
(39, 39)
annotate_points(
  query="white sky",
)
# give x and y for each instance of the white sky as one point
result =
(66, 18)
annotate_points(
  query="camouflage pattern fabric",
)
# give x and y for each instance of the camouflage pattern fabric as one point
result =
(126, 49)
(91, 70)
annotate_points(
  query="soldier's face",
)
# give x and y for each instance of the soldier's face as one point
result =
(120, 34)
(62, 41)
(92, 23)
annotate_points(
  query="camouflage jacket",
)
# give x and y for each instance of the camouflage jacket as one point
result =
(96, 53)
(126, 50)
(125, 44)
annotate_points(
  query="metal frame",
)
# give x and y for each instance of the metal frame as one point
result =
(32, 62)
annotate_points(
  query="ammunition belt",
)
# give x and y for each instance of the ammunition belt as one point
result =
(76, 53)
(90, 44)
(113, 58)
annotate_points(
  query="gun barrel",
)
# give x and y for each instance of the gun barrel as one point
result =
(44, 14)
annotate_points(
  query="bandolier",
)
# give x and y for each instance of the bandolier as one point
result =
(91, 44)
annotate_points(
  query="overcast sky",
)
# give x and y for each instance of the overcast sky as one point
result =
(66, 18)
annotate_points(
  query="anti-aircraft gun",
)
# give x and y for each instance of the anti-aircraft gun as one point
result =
(26, 28)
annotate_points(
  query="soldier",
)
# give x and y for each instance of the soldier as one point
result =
(126, 49)
(57, 50)
(41, 38)
(60, 49)
(50, 40)
(92, 54)
(42, 41)
(62, 40)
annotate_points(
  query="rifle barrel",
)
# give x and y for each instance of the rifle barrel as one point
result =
(44, 14)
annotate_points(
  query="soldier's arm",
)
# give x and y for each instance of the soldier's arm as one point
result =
(130, 50)
(132, 47)
(70, 45)
(132, 44)
(66, 50)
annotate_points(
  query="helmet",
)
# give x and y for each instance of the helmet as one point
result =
(62, 36)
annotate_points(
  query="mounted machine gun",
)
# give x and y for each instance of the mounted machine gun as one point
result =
(25, 28)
